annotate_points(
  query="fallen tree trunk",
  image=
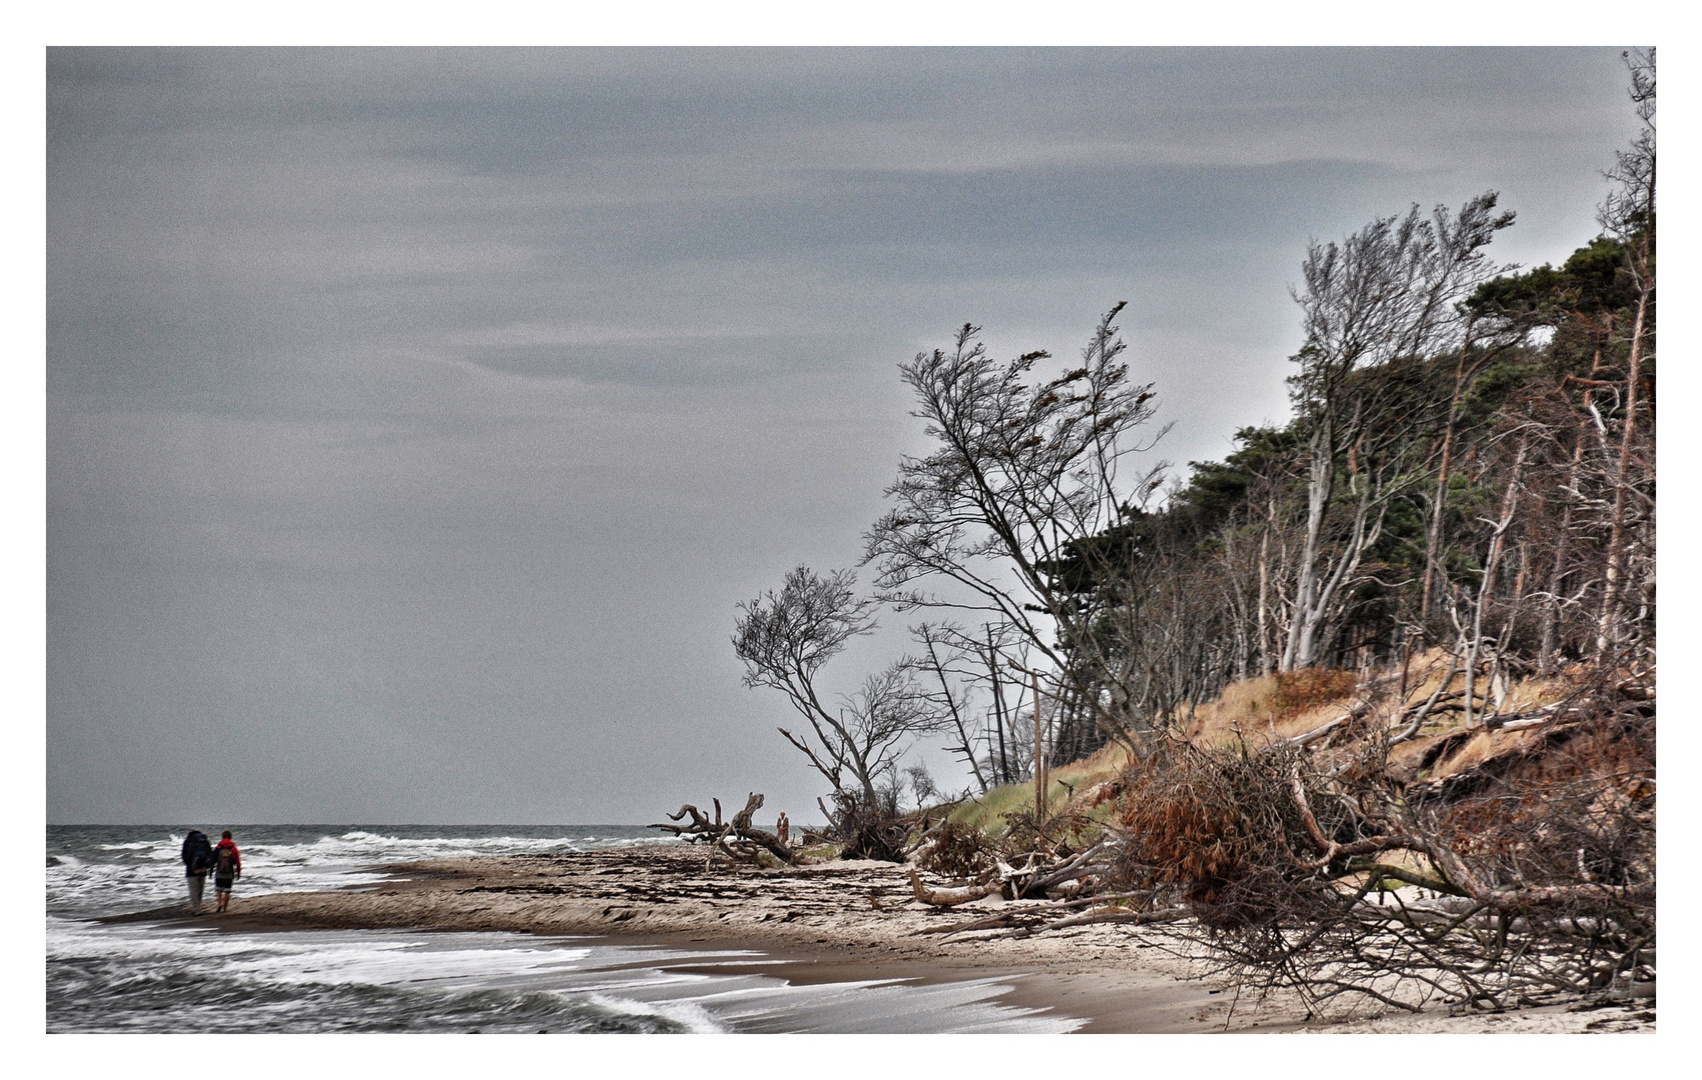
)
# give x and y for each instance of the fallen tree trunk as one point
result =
(951, 897)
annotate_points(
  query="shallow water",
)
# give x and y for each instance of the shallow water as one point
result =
(142, 977)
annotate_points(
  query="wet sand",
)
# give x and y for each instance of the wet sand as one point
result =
(833, 922)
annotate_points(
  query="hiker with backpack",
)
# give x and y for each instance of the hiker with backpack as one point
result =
(227, 867)
(197, 860)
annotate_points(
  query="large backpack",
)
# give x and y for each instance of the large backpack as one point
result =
(200, 852)
(226, 865)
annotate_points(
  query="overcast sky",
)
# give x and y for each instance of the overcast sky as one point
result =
(416, 420)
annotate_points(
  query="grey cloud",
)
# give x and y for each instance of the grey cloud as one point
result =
(417, 417)
(682, 359)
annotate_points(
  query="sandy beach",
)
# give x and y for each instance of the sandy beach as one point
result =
(843, 921)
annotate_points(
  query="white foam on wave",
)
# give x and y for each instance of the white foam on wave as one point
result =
(115, 871)
(376, 958)
(688, 1014)
(123, 873)
(879, 1006)
(579, 973)
(403, 963)
(72, 939)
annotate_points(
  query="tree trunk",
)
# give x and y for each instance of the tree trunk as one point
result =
(1004, 772)
(1433, 541)
(964, 746)
(950, 897)
(1616, 533)
(1039, 756)
(1509, 503)
(1264, 598)
(1320, 485)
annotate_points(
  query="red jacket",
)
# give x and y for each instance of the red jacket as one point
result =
(235, 854)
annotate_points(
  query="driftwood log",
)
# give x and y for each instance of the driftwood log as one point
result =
(738, 838)
(1041, 875)
(952, 896)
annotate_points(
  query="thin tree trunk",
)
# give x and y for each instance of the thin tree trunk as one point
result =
(1433, 541)
(1546, 653)
(1509, 503)
(1039, 759)
(1264, 598)
(998, 708)
(956, 715)
(1362, 536)
(1320, 486)
(1616, 533)
(1557, 574)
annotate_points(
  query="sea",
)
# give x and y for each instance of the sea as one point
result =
(147, 977)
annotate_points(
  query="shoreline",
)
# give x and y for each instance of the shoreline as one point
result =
(832, 922)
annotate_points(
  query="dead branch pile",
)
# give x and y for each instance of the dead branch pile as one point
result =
(957, 851)
(868, 828)
(1060, 867)
(1526, 879)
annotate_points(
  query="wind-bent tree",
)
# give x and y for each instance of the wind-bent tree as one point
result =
(1022, 469)
(1388, 294)
(784, 638)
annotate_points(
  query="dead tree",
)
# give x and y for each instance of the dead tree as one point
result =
(738, 838)
(784, 638)
(1630, 214)
(1528, 879)
(950, 699)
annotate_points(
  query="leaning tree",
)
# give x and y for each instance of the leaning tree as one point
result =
(784, 639)
(1024, 471)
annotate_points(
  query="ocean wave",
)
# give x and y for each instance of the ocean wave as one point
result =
(141, 977)
(177, 983)
(689, 1015)
(106, 870)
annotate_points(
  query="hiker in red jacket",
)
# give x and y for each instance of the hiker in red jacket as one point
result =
(227, 867)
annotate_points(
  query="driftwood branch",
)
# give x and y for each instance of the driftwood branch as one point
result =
(738, 839)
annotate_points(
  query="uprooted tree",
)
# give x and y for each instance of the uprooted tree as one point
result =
(1526, 879)
(738, 839)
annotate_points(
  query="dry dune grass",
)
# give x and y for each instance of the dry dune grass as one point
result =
(1265, 709)
(1279, 706)
(1272, 707)
(1074, 789)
